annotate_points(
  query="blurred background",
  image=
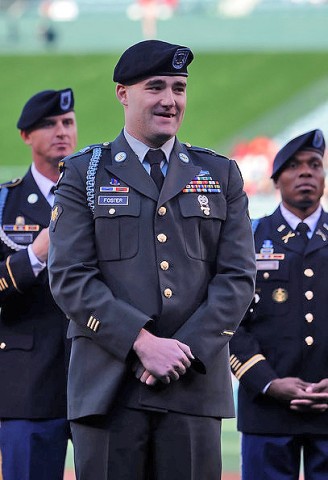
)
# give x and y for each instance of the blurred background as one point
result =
(259, 78)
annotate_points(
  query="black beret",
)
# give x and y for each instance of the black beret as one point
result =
(151, 58)
(313, 140)
(47, 103)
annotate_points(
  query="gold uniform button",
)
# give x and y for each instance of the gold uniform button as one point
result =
(164, 265)
(266, 275)
(308, 272)
(161, 211)
(2, 345)
(162, 238)
(309, 295)
(111, 211)
(168, 293)
(309, 341)
(309, 317)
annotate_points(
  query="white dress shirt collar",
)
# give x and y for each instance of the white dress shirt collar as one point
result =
(293, 220)
(140, 149)
(44, 184)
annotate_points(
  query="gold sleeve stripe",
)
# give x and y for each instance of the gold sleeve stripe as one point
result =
(235, 363)
(3, 284)
(247, 365)
(93, 323)
(11, 274)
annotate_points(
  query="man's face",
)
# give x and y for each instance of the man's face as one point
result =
(154, 108)
(301, 183)
(52, 139)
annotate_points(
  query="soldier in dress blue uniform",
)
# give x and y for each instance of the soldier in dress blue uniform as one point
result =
(279, 352)
(34, 350)
(151, 257)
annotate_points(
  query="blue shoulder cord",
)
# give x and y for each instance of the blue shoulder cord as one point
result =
(91, 177)
(3, 237)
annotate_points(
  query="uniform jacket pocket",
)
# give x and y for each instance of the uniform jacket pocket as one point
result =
(202, 219)
(117, 226)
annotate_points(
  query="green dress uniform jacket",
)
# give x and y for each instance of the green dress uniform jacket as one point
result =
(124, 256)
(285, 331)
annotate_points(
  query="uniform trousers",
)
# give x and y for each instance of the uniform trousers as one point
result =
(134, 444)
(33, 449)
(278, 457)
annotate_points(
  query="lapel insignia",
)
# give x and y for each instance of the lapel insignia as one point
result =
(120, 157)
(204, 204)
(322, 235)
(184, 158)
(325, 226)
(32, 198)
(281, 228)
(287, 237)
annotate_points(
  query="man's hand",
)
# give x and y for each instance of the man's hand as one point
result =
(287, 389)
(40, 246)
(143, 375)
(163, 359)
(315, 398)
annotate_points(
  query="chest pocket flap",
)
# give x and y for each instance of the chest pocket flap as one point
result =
(211, 206)
(202, 217)
(117, 226)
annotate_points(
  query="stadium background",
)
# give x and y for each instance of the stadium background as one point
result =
(260, 77)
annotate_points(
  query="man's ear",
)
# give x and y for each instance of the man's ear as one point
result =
(25, 135)
(276, 183)
(121, 94)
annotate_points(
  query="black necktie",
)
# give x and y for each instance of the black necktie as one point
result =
(154, 158)
(303, 228)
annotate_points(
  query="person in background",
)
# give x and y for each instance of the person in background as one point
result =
(34, 349)
(279, 352)
(152, 258)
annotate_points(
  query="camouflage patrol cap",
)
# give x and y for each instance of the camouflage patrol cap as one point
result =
(313, 140)
(151, 58)
(47, 103)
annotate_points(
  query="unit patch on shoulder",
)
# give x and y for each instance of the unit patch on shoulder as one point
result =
(57, 210)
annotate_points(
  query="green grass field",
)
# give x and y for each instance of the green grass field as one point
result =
(229, 94)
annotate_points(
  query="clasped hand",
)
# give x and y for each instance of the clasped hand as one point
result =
(302, 396)
(160, 359)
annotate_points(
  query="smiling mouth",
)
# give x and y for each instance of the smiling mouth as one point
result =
(165, 115)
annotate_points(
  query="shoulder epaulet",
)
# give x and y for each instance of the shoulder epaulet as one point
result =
(84, 150)
(203, 150)
(11, 183)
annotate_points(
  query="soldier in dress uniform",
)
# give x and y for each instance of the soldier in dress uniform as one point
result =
(34, 350)
(279, 352)
(151, 257)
